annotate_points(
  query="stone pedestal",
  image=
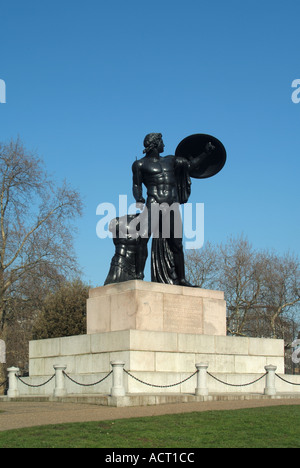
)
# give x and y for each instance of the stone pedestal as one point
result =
(137, 305)
(158, 333)
(160, 358)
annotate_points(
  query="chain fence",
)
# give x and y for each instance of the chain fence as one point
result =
(160, 386)
(237, 385)
(147, 383)
(286, 381)
(87, 385)
(3, 383)
(35, 386)
(213, 377)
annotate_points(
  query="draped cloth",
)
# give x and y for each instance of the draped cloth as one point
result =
(183, 180)
(162, 263)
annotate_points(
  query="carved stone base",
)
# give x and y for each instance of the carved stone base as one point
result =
(138, 305)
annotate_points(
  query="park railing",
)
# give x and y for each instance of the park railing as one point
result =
(118, 387)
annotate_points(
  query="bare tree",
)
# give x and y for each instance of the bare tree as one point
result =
(240, 278)
(202, 266)
(36, 225)
(262, 289)
(281, 290)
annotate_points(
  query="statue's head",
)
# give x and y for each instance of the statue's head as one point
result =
(154, 141)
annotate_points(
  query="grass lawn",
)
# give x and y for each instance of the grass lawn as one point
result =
(273, 427)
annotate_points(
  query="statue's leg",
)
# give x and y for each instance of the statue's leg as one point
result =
(141, 258)
(176, 246)
(180, 267)
(142, 248)
(177, 250)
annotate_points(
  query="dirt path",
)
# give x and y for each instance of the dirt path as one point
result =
(16, 415)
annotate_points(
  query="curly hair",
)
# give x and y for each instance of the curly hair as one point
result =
(152, 141)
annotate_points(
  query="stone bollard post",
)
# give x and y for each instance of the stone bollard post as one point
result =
(270, 380)
(60, 389)
(13, 391)
(118, 388)
(202, 389)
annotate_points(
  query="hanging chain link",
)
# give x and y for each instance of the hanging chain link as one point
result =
(3, 383)
(35, 386)
(160, 386)
(87, 385)
(236, 385)
(286, 381)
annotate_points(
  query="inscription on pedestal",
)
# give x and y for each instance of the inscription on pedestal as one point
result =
(183, 313)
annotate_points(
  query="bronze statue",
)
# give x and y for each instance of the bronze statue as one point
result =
(168, 183)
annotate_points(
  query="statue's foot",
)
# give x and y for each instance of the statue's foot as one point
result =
(184, 282)
(140, 277)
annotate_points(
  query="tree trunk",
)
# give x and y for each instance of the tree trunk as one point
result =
(3, 377)
(3, 373)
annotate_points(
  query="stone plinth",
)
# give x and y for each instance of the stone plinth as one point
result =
(160, 358)
(138, 305)
(160, 333)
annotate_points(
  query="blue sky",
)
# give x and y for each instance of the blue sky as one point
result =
(87, 80)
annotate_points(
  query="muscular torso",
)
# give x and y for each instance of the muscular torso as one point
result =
(158, 175)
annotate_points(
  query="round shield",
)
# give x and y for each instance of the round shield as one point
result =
(195, 145)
